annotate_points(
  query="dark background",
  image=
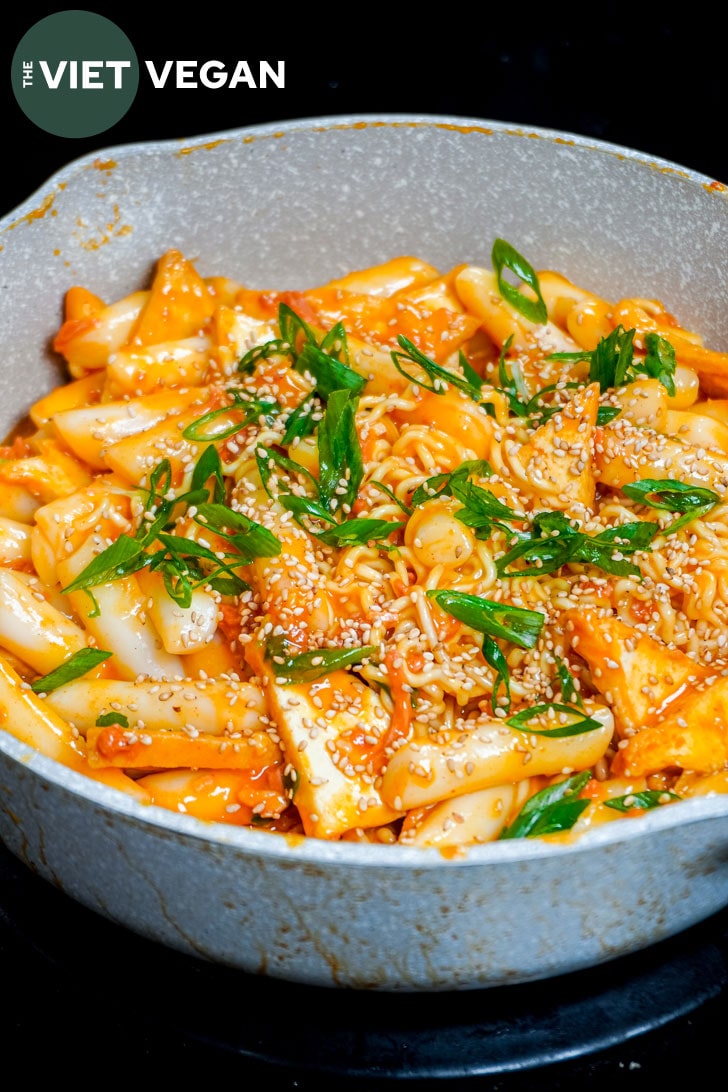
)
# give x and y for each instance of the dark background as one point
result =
(615, 72)
(612, 72)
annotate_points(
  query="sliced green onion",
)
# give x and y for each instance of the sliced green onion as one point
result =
(555, 808)
(505, 256)
(308, 666)
(108, 719)
(442, 378)
(515, 624)
(646, 800)
(522, 721)
(358, 532)
(74, 667)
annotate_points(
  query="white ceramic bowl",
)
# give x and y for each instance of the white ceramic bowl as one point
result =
(295, 204)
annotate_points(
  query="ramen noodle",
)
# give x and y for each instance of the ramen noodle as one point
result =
(413, 557)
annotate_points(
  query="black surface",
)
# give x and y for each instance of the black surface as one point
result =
(85, 1000)
(70, 975)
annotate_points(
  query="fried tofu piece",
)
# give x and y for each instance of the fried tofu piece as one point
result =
(692, 736)
(557, 461)
(638, 675)
(324, 727)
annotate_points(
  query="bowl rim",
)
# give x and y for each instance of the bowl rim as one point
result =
(301, 848)
(59, 179)
(309, 849)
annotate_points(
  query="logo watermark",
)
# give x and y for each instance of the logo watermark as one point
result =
(76, 74)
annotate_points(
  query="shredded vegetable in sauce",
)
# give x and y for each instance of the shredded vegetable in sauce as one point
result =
(413, 557)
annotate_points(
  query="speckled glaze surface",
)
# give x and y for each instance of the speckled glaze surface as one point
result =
(286, 206)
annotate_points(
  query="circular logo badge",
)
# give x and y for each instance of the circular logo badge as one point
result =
(75, 74)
